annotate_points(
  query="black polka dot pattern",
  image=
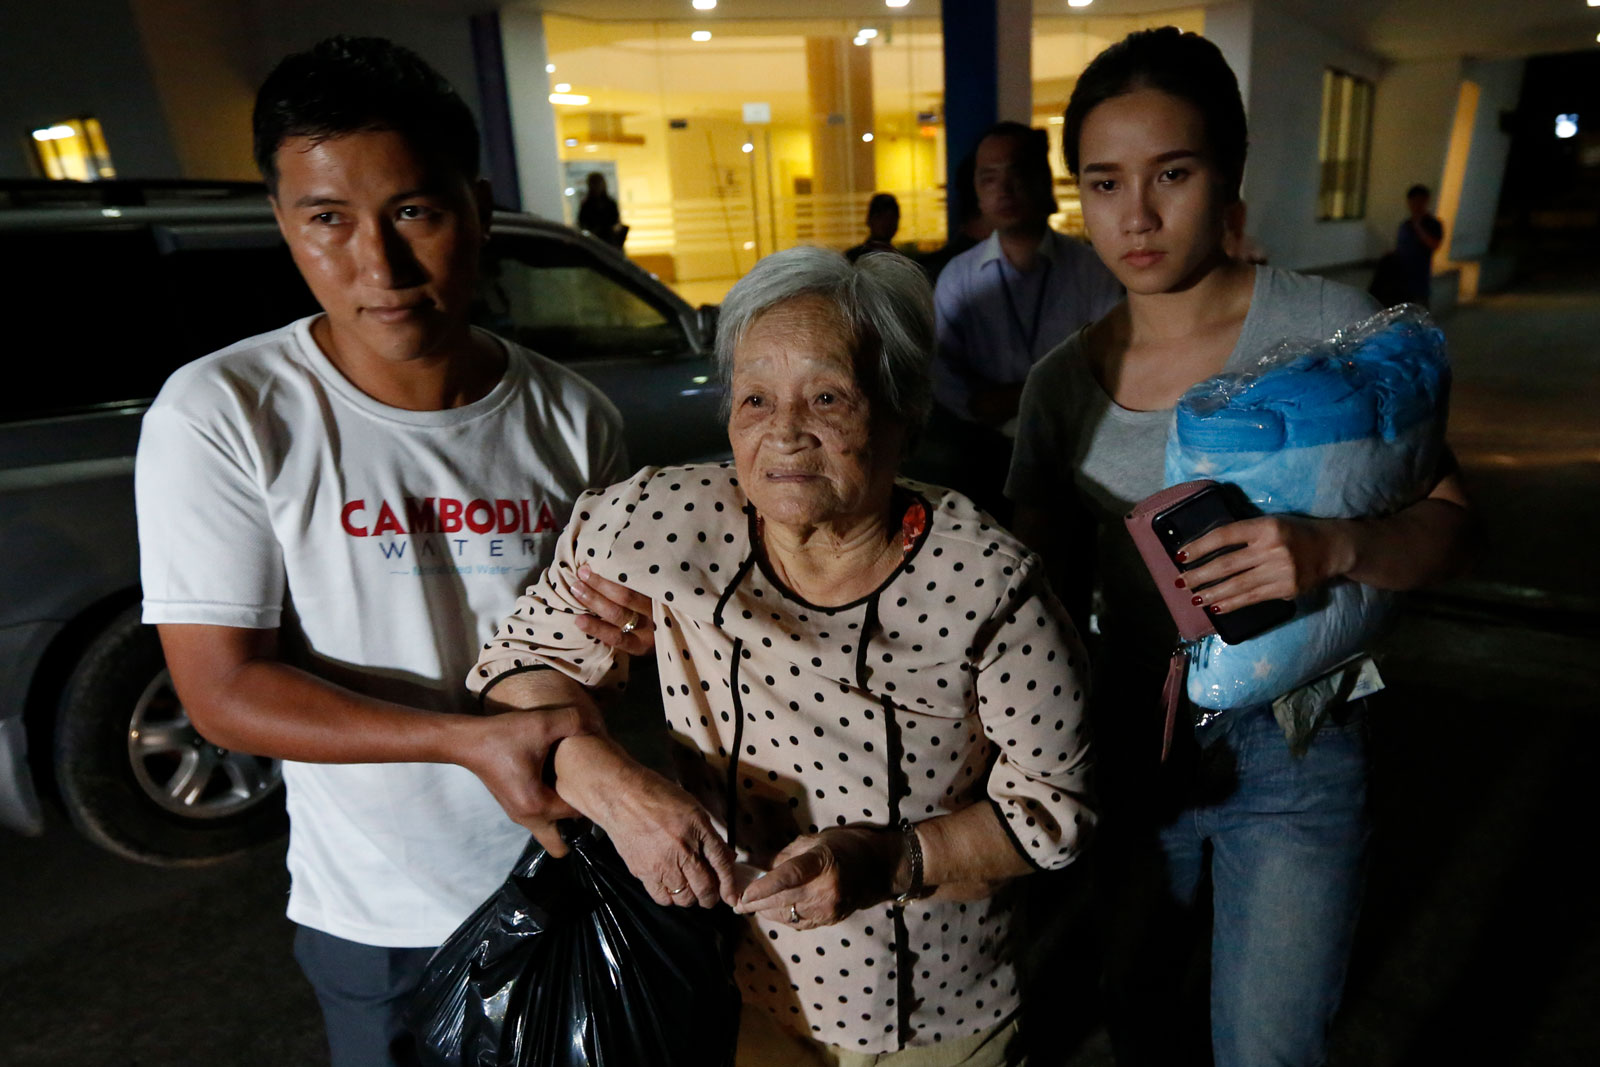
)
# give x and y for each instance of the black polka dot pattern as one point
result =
(982, 676)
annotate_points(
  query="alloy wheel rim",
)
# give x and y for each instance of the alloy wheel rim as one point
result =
(183, 772)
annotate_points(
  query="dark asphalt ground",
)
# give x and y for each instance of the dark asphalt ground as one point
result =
(1479, 944)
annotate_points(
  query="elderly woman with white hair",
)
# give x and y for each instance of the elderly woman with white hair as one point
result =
(872, 694)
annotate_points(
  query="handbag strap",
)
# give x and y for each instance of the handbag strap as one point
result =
(1172, 696)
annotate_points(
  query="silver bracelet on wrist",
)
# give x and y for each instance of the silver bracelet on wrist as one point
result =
(916, 890)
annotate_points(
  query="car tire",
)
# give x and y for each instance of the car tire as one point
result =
(135, 776)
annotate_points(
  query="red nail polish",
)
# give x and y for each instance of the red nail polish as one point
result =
(1179, 583)
(1182, 557)
(1197, 601)
(1212, 608)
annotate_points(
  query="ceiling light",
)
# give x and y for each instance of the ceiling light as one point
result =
(1566, 126)
(54, 133)
(867, 31)
(571, 142)
(563, 87)
(704, 5)
(747, 147)
(866, 137)
(896, 3)
(700, 35)
(575, 99)
(859, 41)
(549, 68)
(1079, 3)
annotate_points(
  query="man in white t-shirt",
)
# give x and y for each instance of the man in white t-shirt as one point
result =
(371, 482)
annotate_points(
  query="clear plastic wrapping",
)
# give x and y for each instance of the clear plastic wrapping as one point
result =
(1349, 427)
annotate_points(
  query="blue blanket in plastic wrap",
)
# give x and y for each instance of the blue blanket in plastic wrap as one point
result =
(1350, 427)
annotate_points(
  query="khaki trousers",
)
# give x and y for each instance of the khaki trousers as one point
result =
(763, 1043)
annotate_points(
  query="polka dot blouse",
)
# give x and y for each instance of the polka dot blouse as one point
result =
(958, 682)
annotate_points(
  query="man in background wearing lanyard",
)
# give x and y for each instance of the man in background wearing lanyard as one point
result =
(1001, 306)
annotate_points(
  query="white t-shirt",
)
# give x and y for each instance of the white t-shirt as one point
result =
(388, 543)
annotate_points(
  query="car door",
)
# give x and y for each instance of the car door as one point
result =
(564, 301)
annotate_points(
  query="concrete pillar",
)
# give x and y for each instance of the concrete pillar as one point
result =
(839, 90)
(533, 118)
(988, 73)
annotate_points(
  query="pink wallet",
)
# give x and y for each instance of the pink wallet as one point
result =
(1193, 622)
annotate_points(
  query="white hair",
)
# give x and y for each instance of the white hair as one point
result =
(883, 300)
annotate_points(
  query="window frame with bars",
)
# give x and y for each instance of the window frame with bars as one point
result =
(1344, 146)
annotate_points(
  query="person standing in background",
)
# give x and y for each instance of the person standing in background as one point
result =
(599, 213)
(1420, 235)
(1001, 305)
(883, 221)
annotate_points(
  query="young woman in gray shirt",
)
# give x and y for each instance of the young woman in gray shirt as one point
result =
(1156, 133)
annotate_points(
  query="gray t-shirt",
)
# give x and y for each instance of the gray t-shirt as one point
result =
(1072, 435)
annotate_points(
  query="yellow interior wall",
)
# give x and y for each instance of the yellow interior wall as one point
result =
(204, 93)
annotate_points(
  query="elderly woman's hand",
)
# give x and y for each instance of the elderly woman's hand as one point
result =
(819, 879)
(618, 617)
(661, 832)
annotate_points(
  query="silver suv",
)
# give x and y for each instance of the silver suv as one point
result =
(116, 284)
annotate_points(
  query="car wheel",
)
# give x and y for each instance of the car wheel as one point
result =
(135, 775)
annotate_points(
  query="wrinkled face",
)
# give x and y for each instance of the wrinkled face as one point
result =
(804, 440)
(1154, 201)
(1009, 192)
(387, 240)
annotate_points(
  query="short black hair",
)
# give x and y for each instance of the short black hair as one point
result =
(1184, 65)
(882, 202)
(349, 84)
(1418, 190)
(1035, 154)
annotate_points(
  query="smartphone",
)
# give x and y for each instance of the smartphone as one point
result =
(1212, 507)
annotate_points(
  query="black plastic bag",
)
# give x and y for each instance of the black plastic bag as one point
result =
(571, 964)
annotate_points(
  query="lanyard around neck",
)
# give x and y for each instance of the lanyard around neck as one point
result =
(1030, 332)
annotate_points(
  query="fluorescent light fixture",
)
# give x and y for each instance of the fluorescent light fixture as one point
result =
(54, 133)
(563, 87)
(866, 137)
(575, 99)
(747, 148)
(704, 5)
(549, 68)
(1567, 126)
(700, 35)
(1594, 3)
(895, 3)
(1079, 3)
(867, 31)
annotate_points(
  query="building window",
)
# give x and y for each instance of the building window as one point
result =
(73, 150)
(1345, 144)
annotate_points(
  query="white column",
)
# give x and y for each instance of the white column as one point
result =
(533, 118)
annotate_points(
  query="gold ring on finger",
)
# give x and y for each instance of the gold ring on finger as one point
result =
(634, 618)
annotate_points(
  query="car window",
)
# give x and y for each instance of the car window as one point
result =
(124, 309)
(562, 302)
(224, 294)
(82, 309)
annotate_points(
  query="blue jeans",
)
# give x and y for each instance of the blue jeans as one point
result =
(1284, 841)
